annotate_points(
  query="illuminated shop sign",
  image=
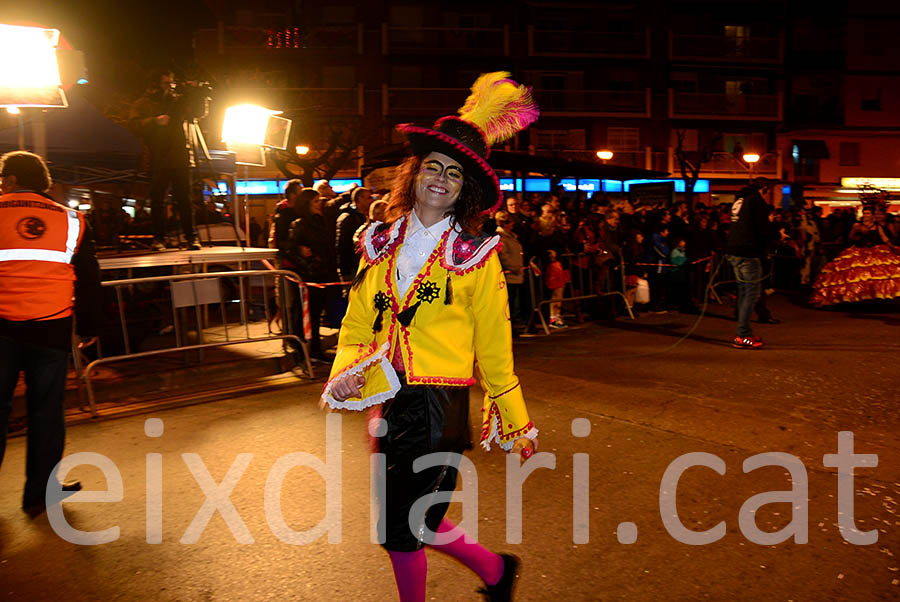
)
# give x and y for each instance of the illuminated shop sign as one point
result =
(880, 183)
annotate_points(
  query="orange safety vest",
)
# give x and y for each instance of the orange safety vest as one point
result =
(38, 238)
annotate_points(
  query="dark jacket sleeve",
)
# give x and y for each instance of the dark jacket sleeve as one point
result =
(765, 230)
(345, 246)
(141, 117)
(282, 230)
(311, 269)
(88, 292)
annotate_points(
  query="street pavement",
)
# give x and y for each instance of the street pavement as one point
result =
(649, 393)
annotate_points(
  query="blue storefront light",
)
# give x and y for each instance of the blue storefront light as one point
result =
(699, 185)
(344, 185)
(569, 184)
(537, 185)
(612, 186)
(273, 187)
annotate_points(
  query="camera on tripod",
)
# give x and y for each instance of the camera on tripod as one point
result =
(190, 99)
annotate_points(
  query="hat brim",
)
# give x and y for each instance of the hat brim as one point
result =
(424, 140)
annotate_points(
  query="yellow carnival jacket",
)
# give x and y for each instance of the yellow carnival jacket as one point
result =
(455, 311)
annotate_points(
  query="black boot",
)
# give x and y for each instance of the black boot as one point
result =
(502, 591)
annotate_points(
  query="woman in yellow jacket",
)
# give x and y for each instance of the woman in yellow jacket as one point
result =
(429, 299)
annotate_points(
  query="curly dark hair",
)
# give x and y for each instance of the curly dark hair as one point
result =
(466, 211)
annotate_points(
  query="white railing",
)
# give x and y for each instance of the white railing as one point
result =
(202, 293)
(731, 164)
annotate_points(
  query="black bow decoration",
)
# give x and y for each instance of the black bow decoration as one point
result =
(382, 302)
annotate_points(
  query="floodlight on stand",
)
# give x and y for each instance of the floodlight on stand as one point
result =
(251, 124)
(247, 154)
(32, 79)
(249, 129)
(278, 132)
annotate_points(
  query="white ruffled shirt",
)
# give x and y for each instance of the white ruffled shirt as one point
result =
(417, 246)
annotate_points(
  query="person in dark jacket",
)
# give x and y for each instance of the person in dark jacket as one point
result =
(311, 252)
(351, 218)
(159, 118)
(286, 211)
(48, 274)
(750, 233)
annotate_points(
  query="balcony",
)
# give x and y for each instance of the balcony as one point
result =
(744, 107)
(728, 49)
(641, 159)
(453, 41)
(319, 101)
(594, 103)
(728, 165)
(546, 42)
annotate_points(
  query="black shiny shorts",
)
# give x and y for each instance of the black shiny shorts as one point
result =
(421, 420)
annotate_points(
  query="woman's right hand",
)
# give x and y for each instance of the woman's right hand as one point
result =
(347, 386)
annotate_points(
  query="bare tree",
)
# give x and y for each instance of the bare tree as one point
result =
(342, 142)
(691, 162)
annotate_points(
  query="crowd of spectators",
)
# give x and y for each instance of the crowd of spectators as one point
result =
(316, 232)
(557, 246)
(605, 244)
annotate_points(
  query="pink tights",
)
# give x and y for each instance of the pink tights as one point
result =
(411, 568)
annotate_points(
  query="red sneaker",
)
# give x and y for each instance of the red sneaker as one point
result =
(747, 342)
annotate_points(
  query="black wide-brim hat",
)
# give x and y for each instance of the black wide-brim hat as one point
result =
(464, 142)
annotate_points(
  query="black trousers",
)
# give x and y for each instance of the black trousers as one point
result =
(45, 385)
(421, 420)
(179, 178)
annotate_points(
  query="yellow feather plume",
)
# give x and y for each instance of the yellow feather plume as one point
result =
(499, 106)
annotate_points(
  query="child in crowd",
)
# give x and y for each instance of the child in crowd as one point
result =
(679, 282)
(547, 222)
(555, 278)
(658, 255)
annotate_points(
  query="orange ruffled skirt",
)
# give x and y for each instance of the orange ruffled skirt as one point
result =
(859, 274)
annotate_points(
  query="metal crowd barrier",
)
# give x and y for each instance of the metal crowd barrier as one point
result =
(579, 274)
(196, 290)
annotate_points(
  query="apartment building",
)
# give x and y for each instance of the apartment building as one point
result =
(644, 79)
(843, 127)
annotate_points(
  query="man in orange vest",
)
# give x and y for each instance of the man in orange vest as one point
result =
(48, 273)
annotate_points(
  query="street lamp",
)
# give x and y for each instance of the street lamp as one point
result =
(604, 155)
(751, 159)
